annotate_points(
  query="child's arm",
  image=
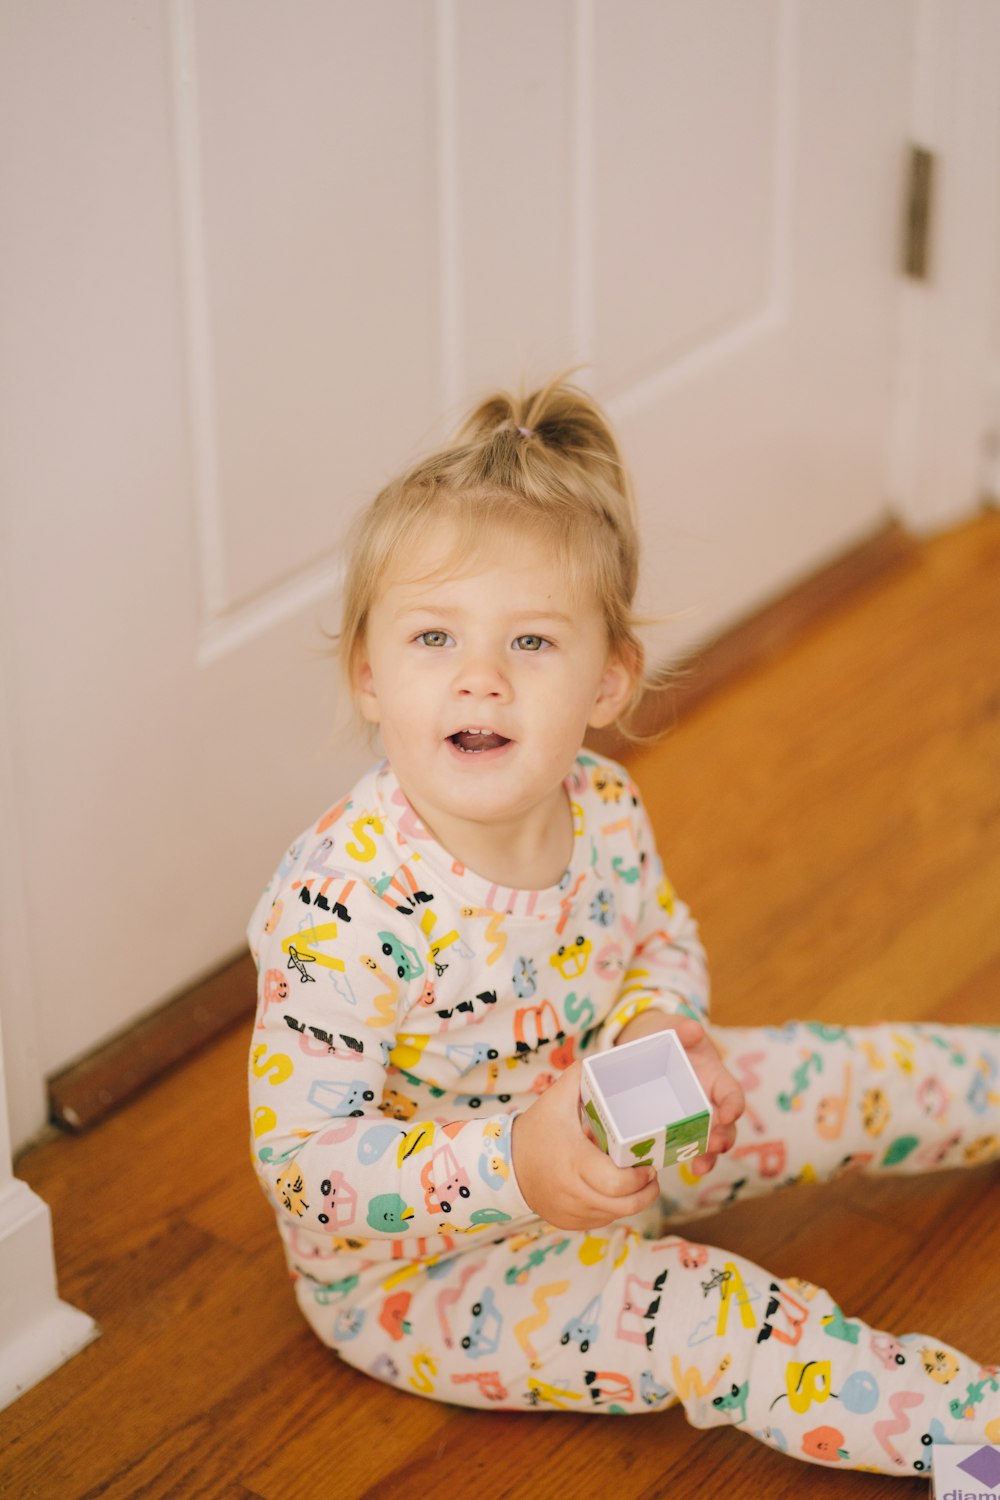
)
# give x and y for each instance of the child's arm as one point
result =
(668, 971)
(334, 985)
(666, 987)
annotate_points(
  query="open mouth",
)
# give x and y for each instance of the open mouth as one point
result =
(477, 741)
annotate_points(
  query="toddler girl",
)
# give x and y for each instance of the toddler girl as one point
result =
(441, 948)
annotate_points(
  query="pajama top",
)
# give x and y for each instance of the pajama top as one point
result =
(410, 1008)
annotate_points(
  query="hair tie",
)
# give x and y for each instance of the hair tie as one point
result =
(526, 431)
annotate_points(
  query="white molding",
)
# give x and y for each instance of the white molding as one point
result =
(194, 299)
(583, 267)
(226, 624)
(448, 205)
(38, 1332)
(243, 624)
(23, 1104)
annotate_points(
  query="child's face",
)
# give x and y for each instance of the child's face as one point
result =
(483, 685)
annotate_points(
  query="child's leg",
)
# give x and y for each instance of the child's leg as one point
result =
(823, 1100)
(610, 1321)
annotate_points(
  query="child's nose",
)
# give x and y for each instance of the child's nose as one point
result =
(481, 675)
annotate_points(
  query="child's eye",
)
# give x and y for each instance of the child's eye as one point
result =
(531, 643)
(435, 638)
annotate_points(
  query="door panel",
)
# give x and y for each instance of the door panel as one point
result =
(259, 255)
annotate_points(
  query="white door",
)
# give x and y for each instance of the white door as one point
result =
(257, 255)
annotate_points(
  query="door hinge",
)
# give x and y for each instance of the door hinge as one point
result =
(919, 205)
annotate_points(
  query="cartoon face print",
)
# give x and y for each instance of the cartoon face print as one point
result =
(826, 1443)
(875, 1111)
(940, 1364)
(398, 1106)
(571, 959)
(525, 979)
(602, 908)
(607, 784)
(983, 1149)
(275, 986)
(389, 1213)
(889, 1350)
(291, 1189)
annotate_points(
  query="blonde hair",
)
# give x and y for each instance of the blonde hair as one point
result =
(545, 465)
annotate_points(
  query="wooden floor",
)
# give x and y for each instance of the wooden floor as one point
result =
(834, 819)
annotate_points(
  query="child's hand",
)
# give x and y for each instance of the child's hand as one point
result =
(724, 1093)
(564, 1177)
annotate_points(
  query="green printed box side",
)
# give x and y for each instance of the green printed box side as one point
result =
(682, 1135)
(597, 1125)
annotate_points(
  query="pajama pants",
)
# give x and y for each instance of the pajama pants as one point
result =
(633, 1318)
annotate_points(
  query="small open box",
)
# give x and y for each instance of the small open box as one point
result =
(645, 1104)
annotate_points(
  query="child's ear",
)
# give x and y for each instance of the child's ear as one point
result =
(614, 691)
(363, 682)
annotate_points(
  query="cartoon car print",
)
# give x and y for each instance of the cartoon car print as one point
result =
(340, 1202)
(935, 1434)
(468, 1055)
(584, 1329)
(447, 1298)
(483, 1336)
(436, 1091)
(337, 1098)
(479, 1101)
(443, 1181)
(407, 962)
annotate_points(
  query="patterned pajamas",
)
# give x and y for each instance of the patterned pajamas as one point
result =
(397, 1033)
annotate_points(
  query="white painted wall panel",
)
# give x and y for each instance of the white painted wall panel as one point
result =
(316, 133)
(683, 142)
(514, 152)
(757, 454)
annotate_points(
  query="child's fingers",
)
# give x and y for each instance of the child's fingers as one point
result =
(728, 1099)
(620, 1206)
(722, 1139)
(603, 1178)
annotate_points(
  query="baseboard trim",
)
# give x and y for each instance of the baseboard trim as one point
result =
(84, 1094)
(38, 1332)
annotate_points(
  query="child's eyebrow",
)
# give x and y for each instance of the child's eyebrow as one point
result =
(443, 612)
